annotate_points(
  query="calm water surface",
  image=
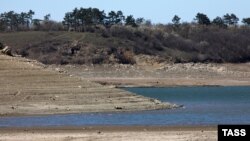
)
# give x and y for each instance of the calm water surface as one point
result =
(203, 106)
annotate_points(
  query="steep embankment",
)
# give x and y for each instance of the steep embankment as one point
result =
(27, 88)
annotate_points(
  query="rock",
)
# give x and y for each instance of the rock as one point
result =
(178, 106)
(7, 51)
(155, 101)
(53, 98)
(118, 108)
(13, 107)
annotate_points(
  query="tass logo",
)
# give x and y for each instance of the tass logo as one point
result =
(234, 132)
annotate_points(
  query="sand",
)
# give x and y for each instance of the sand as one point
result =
(132, 133)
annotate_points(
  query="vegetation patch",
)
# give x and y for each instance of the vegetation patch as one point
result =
(91, 36)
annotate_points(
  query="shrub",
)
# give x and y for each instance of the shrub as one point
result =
(51, 26)
(124, 32)
(125, 57)
(23, 52)
(98, 59)
(89, 29)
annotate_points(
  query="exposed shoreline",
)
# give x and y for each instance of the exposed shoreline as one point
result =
(37, 88)
(114, 128)
(28, 88)
(162, 75)
(86, 112)
(111, 133)
(32, 99)
(161, 83)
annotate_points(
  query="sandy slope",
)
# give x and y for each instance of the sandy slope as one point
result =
(27, 88)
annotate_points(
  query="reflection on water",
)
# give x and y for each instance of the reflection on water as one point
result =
(203, 106)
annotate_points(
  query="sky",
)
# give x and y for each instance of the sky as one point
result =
(158, 11)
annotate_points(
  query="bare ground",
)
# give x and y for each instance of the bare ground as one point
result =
(27, 88)
(163, 74)
(112, 134)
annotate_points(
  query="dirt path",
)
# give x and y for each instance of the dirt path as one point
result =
(27, 88)
(112, 134)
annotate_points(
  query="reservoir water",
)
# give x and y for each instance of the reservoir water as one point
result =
(202, 106)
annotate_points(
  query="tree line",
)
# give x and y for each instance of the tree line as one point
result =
(12, 21)
(80, 19)
(16, 21)
(226, 20)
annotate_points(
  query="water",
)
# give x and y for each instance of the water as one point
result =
(203, 106)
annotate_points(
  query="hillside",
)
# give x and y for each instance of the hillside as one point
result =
(121, 45)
